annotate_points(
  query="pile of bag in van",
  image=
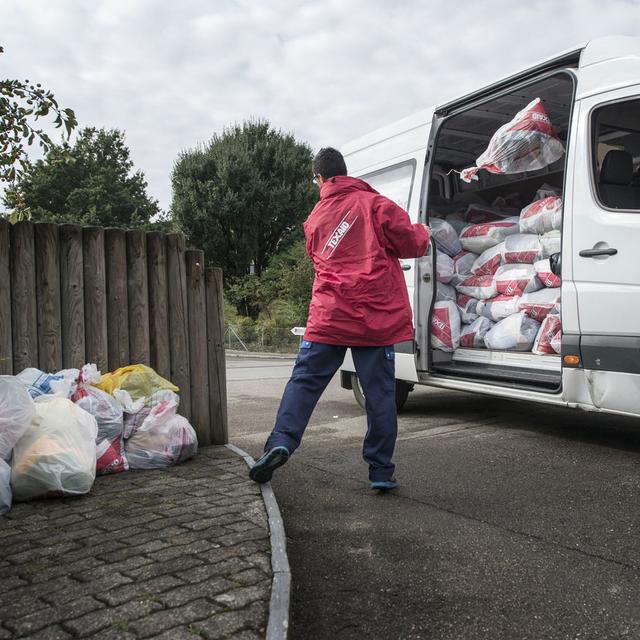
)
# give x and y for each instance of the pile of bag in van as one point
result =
(495, 287)
(57, 431)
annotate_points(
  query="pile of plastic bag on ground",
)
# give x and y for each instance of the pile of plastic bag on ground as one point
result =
(57, 430)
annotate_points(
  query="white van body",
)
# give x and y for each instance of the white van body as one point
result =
(600, 294)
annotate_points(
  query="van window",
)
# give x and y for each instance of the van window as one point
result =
(616, 154)
(394, 182)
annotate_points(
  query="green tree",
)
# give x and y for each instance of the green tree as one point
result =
(243, 197)
(89, 182)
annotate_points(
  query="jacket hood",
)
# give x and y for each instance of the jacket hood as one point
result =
(343, 184)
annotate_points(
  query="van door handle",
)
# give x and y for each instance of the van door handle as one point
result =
(592, 253)
(405, 266)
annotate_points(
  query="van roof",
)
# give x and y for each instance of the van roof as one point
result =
(590, 53)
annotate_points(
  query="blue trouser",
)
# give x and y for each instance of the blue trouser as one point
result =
(315, 365)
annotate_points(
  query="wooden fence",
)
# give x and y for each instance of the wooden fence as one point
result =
(71, 295)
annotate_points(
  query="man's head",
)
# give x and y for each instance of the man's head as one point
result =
(327, 164)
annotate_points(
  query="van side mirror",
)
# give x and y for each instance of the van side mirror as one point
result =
(556, 264)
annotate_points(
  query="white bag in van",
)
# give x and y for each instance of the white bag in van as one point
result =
(499, 307)
(472, 335)
(462, 263)
(445, 326)
(542, 215)
(445, 236)
(550, 242)
(545, 275)
(516, 279)
(480, 287)
(445, 292)
(515, 333)
(548, 329)
(480, 237)
(444, 267)
(488, 262)
(556, 341)
(547, 190)
(468, 307)
(522, 248)
(539, 303)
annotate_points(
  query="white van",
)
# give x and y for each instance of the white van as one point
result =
(592, 96)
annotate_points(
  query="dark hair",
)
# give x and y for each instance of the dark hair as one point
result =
(329, 163)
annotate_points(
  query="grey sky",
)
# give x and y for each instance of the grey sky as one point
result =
(173, 73)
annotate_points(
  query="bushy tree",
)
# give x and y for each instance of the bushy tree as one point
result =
(243, 197)
(89, 182)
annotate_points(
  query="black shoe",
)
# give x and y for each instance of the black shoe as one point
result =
(263, 469)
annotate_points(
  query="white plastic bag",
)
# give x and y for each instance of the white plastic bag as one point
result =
(136, 411)
(550, 243)
(549, 328)
(522, 248)
(472, 335)
(479, 287)
(468, 307)
(488, 262)
(38, 382)
(163, 439)
(5, 488)
(108, 413)
(516, 279)
(556, 341)
(542, 215)
(499, 307)
(462, 263)
(480, 237)
(526, 143)
(545, 191)
(445, 326)
(444, 267)
(515, 333)
(445, 292)
(445, 236)
(16, 413)
(545, 275)
(539, 303)
(57, 454)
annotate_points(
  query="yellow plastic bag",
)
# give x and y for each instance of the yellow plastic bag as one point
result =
(138, 380)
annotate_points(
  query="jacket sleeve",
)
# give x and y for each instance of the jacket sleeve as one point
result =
(401, 237)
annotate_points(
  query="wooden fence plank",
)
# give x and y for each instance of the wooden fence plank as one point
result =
(72, 296)
(115, 242)
(6, 349)
(197, 316)
(138, 292)
(24, 321)
(158, 303)
(95, 297)
(47, 268)
(178, 345)
(216, 357)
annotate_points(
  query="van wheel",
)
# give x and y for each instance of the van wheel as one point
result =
(402, 392)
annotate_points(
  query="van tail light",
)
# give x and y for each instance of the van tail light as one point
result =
(572, 361)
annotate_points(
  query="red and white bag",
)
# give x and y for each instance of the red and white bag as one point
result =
(480, 237)
(548, 329)
(545, 275)
(479, 287)
(445, 236)
(468, 307)
(550, 243)
(522, 248)
(556, 341)
(516, 279)
(462, 263)
(488, 262)
(445, 292)
(445, 326)
(444, 267)
(499, 307)
(539, 303)
(473, 334)
(526, 143)
(542, 215)
(515, 333)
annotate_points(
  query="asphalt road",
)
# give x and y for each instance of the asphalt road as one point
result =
(512, 521)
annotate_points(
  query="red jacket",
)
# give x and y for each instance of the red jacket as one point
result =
(355, 237)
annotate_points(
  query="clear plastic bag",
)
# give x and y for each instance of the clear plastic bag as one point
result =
(57, 454)
(522, 248)
(472, 335)
(542, 215)
(445, 326)
(515, 333)
(516, 279)
(480, 237)
(498, 308)
(526, 143)
(5, 488)
(545, 275)
(445, 236)
(488, 262)
(16, 413)
(163, 439)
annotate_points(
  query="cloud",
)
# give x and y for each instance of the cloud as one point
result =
(172, 74)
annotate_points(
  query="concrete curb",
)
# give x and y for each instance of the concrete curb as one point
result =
(278, 626)
(260, 355)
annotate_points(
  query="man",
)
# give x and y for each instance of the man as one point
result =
(355, 237)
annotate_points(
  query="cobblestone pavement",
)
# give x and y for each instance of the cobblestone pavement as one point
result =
(178, 553)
